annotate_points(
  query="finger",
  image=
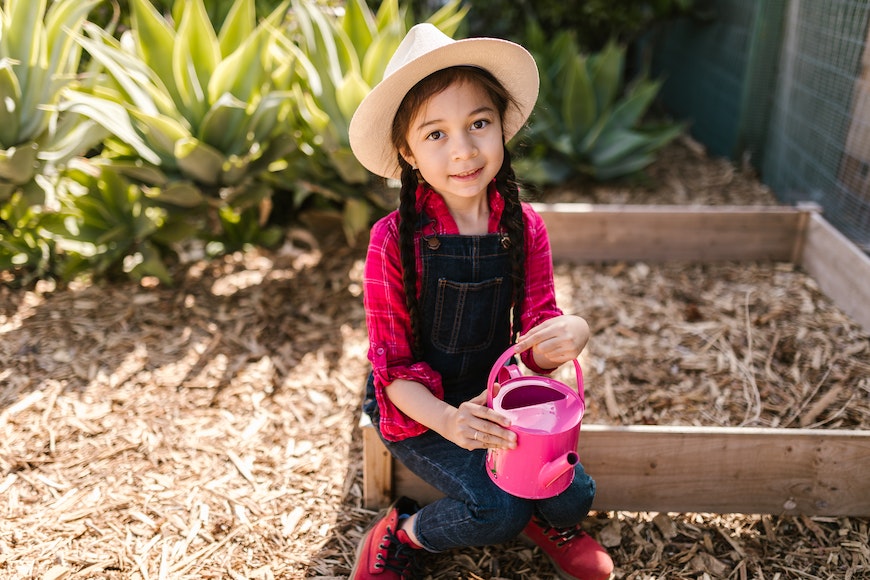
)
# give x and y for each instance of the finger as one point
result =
(479, 399)
(533, 338)
(503, 439)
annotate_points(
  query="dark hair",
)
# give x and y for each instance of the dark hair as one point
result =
(512, 217)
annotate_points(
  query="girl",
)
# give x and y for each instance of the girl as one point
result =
(453, 277)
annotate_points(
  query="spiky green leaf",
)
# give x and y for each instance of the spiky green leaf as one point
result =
(10, 102)
(113, 117)
(238, 26)
(243, 73)
(358, 24)
(178, 193)
(194, 58)
(155, 43)
(18, 164)
(606, 74)
(200, 161)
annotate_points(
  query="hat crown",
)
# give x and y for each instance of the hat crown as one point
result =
(419, 41)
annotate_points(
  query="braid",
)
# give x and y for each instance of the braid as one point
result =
(512, 223)
(407, 230)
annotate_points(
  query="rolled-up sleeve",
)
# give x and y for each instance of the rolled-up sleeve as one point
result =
(389, 329)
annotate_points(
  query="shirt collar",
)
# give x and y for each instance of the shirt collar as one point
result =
(435, 208)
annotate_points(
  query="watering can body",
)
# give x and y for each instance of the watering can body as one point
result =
(545, 414)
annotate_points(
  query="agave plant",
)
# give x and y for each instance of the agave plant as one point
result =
(333, 62)
(193, 113)
(587, 120)
(38, 58)
(105, 226)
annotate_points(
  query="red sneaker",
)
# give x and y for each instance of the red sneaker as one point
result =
(575, 555)
(384, 553)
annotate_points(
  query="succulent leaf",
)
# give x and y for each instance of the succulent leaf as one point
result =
(18, 164)
(224, 125)
(238, 26)
(10, 99)
(194, 58)
(241, 73)
(155, 43)
(359, 25)
(200, 161)
(112, 116)
(178, 193)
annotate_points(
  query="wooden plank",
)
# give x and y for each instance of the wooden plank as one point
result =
(599, 233)
(377, 467)
(841, 270)
(719, 470)
(729, 469)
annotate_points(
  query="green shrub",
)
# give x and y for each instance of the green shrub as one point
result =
(587, 121)
(38, 60)
(595, 22)
(194, 116)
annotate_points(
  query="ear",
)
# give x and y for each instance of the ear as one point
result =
(410, 159)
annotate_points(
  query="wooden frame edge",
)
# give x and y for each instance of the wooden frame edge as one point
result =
(706, 469)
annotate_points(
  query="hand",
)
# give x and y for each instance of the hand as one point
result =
(555, 341)
(476, 426)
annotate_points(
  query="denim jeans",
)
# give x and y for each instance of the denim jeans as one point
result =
(475, 512)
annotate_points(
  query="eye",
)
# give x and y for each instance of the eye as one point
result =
(480, 124)
(435, 135)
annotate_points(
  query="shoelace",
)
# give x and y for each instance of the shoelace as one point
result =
(560, 536)
(399, 556)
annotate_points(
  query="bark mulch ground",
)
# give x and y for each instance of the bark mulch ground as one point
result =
(209, 430)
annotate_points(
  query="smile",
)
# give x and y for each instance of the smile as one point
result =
(468, 174)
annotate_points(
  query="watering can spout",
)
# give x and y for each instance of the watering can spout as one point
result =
(556, 468)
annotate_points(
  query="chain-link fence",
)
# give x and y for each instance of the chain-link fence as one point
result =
(787, 84)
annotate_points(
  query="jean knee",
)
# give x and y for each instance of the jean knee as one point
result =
(505, 516)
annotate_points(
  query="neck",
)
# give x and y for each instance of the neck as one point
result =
(471, 215)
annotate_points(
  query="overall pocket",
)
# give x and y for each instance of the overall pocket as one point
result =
(465, 315)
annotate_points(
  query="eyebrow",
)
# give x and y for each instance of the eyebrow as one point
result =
(477, 111)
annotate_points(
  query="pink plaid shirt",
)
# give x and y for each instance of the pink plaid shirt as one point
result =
(387, 317)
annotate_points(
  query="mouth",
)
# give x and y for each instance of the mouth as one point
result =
(467, 175)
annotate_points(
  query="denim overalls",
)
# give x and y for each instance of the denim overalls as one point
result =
(465, 301)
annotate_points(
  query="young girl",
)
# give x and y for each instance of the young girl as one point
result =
(457, 274)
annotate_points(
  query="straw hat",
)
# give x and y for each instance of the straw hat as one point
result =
(425, 50)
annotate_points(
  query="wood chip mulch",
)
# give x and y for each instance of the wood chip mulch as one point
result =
(210, 430)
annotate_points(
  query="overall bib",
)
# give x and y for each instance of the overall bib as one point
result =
(465, 303)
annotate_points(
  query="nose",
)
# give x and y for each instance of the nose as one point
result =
(464, 148)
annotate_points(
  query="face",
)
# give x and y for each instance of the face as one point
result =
(455, 140)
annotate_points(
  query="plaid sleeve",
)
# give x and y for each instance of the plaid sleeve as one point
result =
(389, 329)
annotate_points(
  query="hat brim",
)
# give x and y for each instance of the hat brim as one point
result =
(371, 126)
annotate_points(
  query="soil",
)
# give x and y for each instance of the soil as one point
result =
(210, 429)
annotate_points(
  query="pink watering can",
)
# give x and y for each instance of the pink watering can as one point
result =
(545, 414)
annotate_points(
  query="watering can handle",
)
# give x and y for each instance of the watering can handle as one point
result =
(490, 383)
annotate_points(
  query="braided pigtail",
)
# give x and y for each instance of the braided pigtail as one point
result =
(513, 225)
(407, 229)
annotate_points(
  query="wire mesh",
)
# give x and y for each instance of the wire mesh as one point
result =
(818, 146)
(786, 82)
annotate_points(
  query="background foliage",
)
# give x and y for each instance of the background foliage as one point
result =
(143, 131)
